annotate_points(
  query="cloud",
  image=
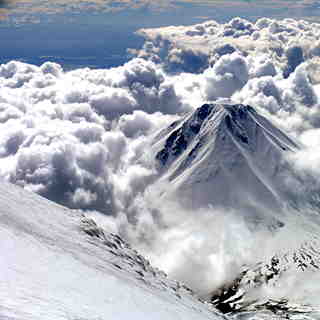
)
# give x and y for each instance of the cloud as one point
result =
(286, 42)
(33, 11)
(228, 75)
(68, 136)
(291, 102)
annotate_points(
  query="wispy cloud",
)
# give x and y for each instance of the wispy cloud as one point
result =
(24, 8)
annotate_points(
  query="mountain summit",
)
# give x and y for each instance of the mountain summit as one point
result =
(223, 155)
(230, 157)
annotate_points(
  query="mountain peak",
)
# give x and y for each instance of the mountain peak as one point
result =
(179, 138)
(217, 147)
(232, 111)
(240, 121)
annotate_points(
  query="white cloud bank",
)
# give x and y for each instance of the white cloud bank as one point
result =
(70, 135)
(78, 137)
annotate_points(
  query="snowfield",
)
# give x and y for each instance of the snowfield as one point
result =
(57, 264)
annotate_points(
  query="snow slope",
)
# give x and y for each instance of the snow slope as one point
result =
(57, 264)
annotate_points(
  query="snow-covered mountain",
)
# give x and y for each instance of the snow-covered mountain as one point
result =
(223, 155)
(57, 264)
(229, 156)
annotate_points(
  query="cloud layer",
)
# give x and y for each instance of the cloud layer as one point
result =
(65, 135)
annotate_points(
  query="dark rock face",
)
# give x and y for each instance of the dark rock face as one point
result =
(175, 145)
(177, 141)
(204, 111)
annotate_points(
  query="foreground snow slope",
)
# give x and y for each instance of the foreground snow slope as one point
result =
(57, 264)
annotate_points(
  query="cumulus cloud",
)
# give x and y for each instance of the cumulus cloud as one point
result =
(286, 42)
(291, 102)
(227, 76)
(70, 136)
